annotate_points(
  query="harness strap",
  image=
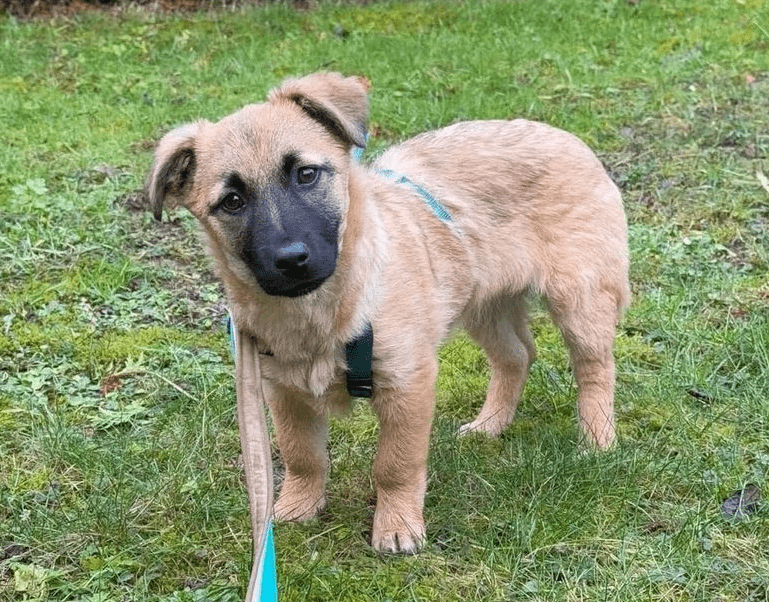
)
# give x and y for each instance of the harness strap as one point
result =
(360, 382)
(438, 209)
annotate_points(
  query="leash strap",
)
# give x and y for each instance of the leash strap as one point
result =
(360, 382)
(257, 460)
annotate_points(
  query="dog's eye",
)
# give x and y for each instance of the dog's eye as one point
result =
(306, 175)
(232, 203)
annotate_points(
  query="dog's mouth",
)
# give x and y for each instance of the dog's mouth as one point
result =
(294, 282)
(297, 289)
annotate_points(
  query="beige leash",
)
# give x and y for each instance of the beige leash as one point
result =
(257, 460)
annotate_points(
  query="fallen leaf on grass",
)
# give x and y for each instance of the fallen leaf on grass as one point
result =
(699, 395)
(13, 550)
(742, 503)
(113, 382)
(738, 312)
(110, 384)
(659, 526)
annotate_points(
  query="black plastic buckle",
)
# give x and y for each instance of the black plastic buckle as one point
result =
(360, 382)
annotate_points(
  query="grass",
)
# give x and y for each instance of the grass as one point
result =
(119, 471)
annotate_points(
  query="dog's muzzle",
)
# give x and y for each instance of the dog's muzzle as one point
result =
(290, 244)
(293, 268)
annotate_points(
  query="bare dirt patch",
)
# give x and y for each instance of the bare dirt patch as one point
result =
(33, 9)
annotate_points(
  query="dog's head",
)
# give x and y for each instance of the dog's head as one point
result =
(269, 183)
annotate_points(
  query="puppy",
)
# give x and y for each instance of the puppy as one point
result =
(452, 228)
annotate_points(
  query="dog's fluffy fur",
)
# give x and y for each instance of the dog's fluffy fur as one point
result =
(307, 264)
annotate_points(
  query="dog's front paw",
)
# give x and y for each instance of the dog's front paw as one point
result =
(298, 503)
(396, 533)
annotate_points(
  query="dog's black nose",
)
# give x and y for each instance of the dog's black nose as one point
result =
(292, 256)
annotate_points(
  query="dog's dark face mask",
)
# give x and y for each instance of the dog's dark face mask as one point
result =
(286, 231)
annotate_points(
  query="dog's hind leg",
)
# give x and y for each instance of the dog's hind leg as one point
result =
(302, 433)
(588, 325)
(502, 330)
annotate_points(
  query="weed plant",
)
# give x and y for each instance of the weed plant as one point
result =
(120, 477)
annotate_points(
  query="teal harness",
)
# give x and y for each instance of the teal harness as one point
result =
(359, 352)
(360, 380)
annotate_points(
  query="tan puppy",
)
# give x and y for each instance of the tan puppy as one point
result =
(451, 228)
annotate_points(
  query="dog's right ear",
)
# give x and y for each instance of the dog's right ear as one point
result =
(173, 170)
(339, 103)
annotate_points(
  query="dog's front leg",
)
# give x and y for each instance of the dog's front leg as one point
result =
(400, 469)
(302, 433)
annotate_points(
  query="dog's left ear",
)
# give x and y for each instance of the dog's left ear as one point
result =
(173, 171)
(339, 103)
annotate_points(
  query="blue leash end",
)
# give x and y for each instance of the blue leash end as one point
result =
(269, 587)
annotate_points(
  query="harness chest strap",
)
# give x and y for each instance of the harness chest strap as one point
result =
(359, 350)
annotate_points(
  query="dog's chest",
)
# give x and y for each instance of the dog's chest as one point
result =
(314, 374)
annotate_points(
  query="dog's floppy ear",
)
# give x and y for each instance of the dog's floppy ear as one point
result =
(170, 181)
(339, 103)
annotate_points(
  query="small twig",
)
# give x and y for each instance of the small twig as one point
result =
(173, 384)
(141, 371)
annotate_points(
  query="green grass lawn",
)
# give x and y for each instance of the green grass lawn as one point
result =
(119, 471)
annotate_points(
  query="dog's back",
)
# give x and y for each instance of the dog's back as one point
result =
(527, 200)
